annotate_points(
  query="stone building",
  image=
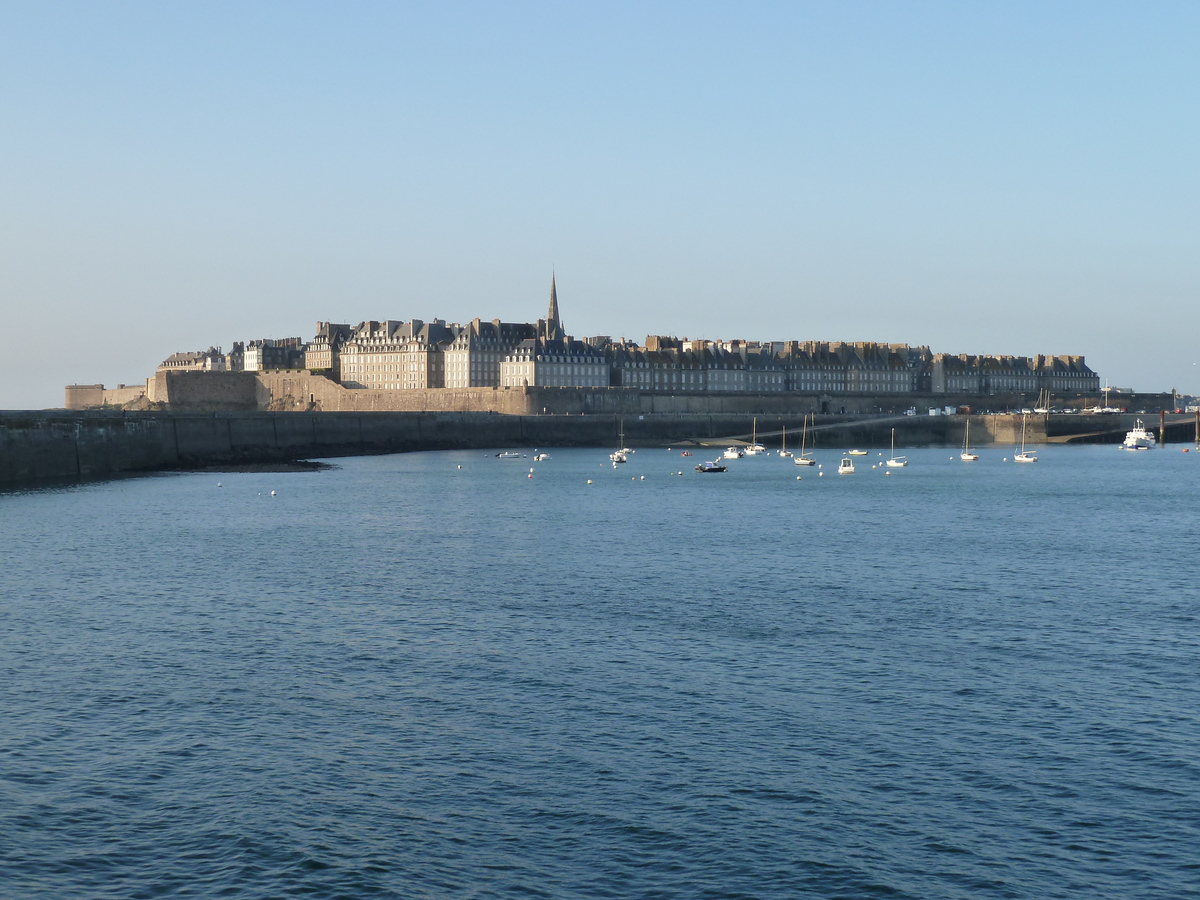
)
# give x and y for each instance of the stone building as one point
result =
(1066, 374)
(393, 355)
(965, 374)
(210, 360)
(473, 358)
(273, 353)
(554, 362)
(322, 352)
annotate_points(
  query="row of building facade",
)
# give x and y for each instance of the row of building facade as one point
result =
(398, 355)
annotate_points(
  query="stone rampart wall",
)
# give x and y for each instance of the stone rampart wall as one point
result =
(91, 396)
(299, 391)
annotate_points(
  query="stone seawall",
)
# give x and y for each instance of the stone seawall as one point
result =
(56, 445)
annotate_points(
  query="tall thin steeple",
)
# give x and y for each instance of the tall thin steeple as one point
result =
(554, 327)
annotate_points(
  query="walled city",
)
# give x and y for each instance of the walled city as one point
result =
(393, 365)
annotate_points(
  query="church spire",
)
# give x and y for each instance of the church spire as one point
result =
(554, 328)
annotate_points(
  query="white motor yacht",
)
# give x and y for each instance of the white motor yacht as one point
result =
(1139, 438)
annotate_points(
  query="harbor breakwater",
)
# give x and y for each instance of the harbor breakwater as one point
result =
(41, 445)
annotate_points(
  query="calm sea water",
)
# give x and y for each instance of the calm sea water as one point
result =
(429, 675)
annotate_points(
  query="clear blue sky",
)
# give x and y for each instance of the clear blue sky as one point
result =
(983, 178)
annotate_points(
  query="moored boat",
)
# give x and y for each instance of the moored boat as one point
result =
(846, 466)
(711, 466)
(805, 458)
(896, 462)
(1024, 457)
(966, 454)
(755, 447)
(1138, 438)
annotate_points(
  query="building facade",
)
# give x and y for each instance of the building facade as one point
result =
(273, 353)
(474, 357)
(548, 362)
(392, 355)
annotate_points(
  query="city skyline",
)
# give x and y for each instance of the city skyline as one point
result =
(990, 180)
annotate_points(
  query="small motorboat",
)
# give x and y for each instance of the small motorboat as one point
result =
(857, 453)
(734, 453)
(541, 457)
(510, 454)
(713, 466)
(846, 466)
(686, 453)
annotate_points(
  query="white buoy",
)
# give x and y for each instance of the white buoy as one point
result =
(272, 493)
(643, 478)
(820, 474)
(797, 477)
(460, 467)
(218, 484)
(589, 481)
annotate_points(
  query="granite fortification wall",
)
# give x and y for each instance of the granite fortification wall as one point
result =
(298, 391)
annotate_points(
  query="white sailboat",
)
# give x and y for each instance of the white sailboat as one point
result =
(896, 462)
(783, 450)
(1024, 457)
(621, 455)
(755, 447)
(966, 450)
(805, 458)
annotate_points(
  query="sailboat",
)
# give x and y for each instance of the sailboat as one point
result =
(804, 459)
(755, 447)
(966, 450)
(1023, 456)
(621, 455)
(896, 462)
(784, 451)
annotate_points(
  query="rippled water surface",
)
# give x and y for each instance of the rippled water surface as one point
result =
(429, 675)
